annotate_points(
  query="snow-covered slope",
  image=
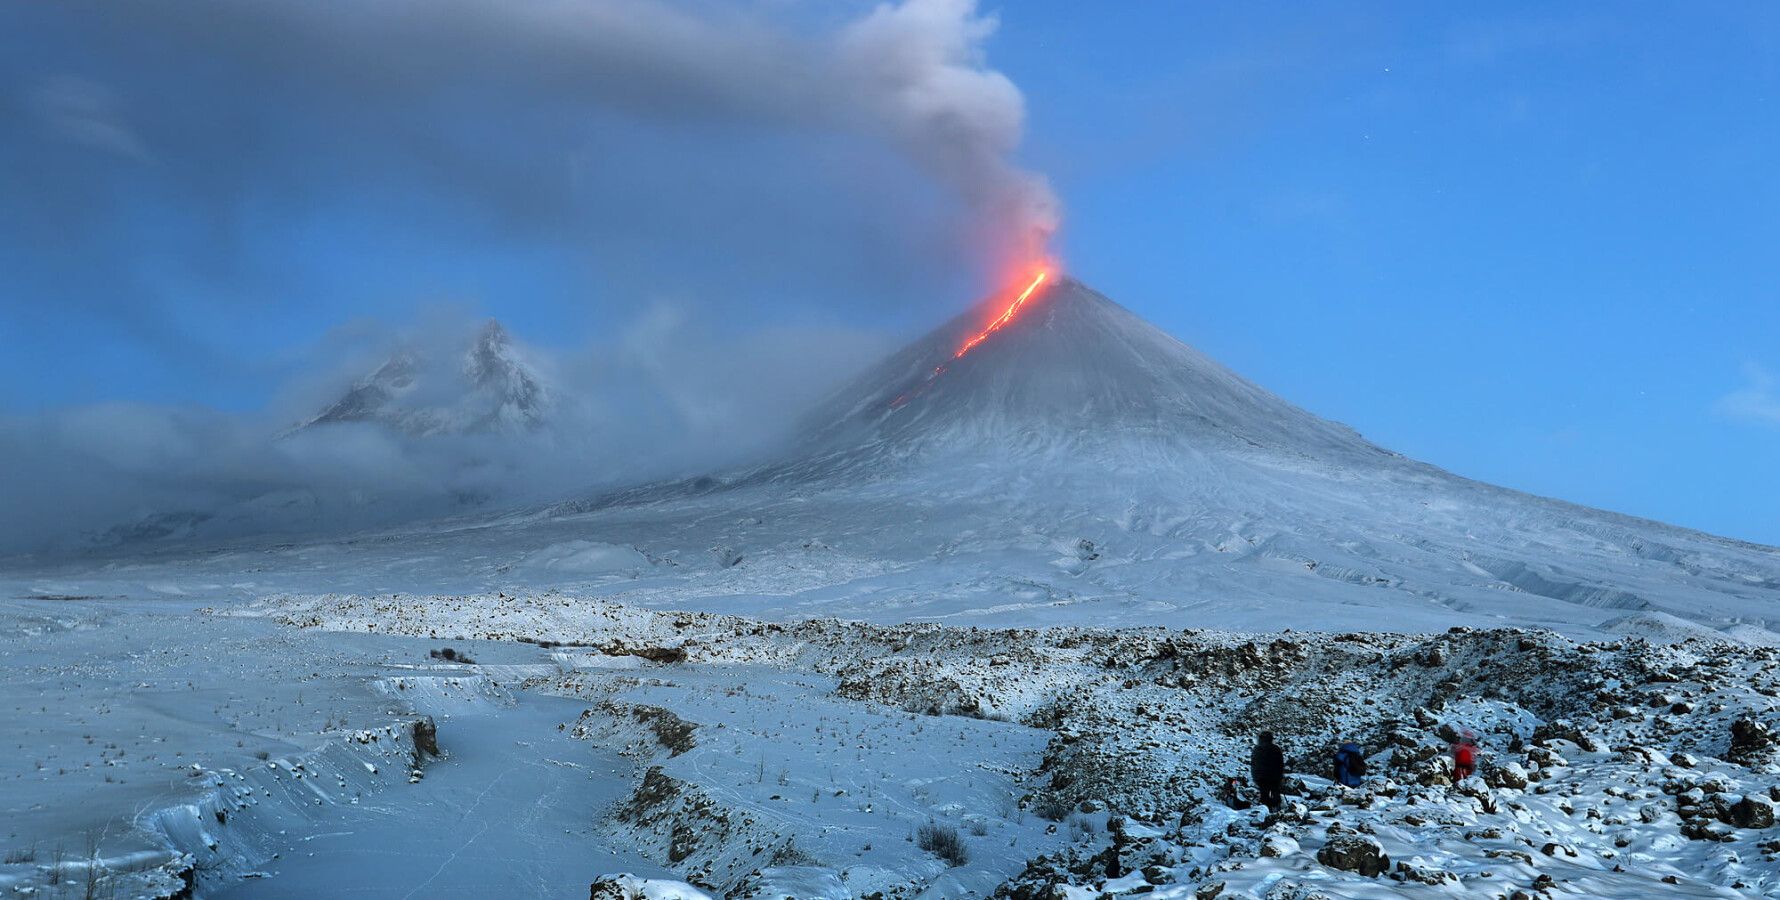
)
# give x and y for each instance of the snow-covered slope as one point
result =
(492, 388)
(1078, 465)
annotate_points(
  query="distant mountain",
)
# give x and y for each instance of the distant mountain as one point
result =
(493, 387)
(489, 387)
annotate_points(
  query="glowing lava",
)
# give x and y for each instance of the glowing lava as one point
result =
(1007, 315)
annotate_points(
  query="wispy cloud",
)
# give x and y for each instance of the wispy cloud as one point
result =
(1757, 401)
(85, 112)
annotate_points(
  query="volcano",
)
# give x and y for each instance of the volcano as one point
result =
(1079, 464)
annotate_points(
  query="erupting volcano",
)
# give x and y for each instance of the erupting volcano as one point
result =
(1055, 457)
(1059, 362)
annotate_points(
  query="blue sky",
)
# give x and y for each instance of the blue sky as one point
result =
(1530, 243)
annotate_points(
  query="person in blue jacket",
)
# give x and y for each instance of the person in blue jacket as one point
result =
(1350, 765)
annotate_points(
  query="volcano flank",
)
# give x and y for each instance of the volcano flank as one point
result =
(1079, 464)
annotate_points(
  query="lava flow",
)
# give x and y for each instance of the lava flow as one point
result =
(1006, 316)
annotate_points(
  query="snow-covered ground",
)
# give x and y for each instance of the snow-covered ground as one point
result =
(1609, 770)
(267, 748)
(154, 747)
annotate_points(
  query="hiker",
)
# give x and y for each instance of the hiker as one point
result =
(1464, 758)
(1268, 767)
(1350, 765)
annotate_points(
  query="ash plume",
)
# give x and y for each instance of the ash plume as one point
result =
(910, 76)
(921, 63)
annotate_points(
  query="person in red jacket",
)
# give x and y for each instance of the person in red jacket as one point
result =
(1464, 758)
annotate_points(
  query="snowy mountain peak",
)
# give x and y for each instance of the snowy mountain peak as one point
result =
(493, 388)
(491, 357)
(1071, 366)
(500, 371)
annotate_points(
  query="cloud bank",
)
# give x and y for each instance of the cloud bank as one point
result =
(661, 398)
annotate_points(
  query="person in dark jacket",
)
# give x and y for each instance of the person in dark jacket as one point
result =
(1268, 767)
(1350, 765)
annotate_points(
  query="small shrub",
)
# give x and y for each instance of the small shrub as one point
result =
(21, 855)
(450, 654)
(978, 827)
(1080, 828)
(944, 842)
(1053, 808)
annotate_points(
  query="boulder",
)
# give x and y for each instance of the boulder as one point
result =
(1354, 853)
(1507, 775)
(1565, 730)
(1419, 871)
(1752, 812)
(1749, 739)
(1275, 846)
(426, 736)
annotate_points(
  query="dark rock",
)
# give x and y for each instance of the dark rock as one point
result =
(1749, 739)
(426, 736)
(1752, 812)
(1354, 853)
(1564, 730)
